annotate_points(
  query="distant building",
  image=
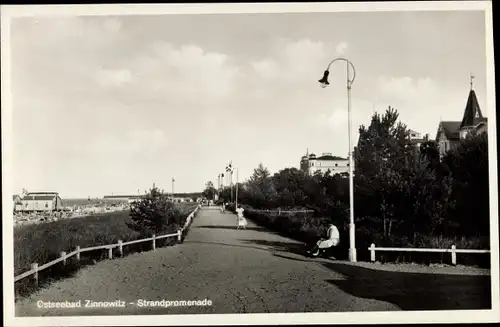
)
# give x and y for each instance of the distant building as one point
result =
(416, 138)
(450, 133)
(18, 203)
(119, 197)
(41, 201)
(180, 199)
(326, 162)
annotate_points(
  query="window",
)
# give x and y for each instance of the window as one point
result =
(336, 165)
(46, 204)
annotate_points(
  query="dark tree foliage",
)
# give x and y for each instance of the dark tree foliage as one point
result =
(209, 191)
(404, 195)
(154, 213)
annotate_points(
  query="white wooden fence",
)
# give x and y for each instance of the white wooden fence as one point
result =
(280, 212)
(64, 256)
(453, 251)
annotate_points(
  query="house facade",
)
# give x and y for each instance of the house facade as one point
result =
(18, 203)
(450, 133)
(41, 201)
(416, 138)
(326, 162)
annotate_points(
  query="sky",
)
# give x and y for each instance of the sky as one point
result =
(113, 104)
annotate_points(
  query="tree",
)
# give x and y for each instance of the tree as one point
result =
(209, 191)
(260, 188)
(289, 185)
(154, 213)
(385, 161)
(225, 194)
(467, 165)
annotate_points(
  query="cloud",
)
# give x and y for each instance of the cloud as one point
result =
(338, 118)
(185, 72)
(292, 61)
(137, 142)
(341, 48)
(110, 78)
(266, 68)
(405, 88)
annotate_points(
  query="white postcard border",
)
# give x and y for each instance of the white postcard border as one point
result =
(8, 12)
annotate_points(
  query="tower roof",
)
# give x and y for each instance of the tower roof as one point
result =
(472, 113)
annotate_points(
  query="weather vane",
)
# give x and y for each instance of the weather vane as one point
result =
(471, 80)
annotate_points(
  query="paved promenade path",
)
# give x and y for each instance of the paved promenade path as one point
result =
(249, 271)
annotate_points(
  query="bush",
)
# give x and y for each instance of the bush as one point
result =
(154, 214)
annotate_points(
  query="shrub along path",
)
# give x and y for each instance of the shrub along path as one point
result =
(251, 271)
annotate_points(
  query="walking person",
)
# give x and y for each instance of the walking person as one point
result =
(241, 221)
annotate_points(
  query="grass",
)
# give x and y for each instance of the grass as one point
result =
(42, 243)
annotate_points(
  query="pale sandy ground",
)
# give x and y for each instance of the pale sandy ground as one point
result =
(255, 271)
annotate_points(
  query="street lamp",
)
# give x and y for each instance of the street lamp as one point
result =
(236, 203)
(324, 83)
(229, 169)
(173, 182)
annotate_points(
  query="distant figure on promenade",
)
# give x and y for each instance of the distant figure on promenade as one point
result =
(241, 221)
(223, 207)
(332, 239)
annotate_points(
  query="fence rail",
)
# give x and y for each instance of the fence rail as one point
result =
(279, 212)
(64, 256)
(453, 250)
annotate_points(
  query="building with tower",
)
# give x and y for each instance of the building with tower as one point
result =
(450, 133)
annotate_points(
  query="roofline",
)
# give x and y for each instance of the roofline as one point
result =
(32, 197)
(475, 126)
(42, 193)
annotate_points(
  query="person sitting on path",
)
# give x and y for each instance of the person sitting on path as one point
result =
(332, 239)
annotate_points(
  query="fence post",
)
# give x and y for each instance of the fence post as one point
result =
(77, 253)
(179, 235)
(110, 253)
(154, 241)
(453, 255)
(63, 255)
(120, 247)
(34, 266)
(372, 252)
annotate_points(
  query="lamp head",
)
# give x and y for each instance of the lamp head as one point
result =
(324, 80)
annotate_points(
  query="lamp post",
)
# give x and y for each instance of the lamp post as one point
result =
(173, 182)
(218, 187)
(236, 197)
(324, 83)
(229, 169)
(222, 182)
